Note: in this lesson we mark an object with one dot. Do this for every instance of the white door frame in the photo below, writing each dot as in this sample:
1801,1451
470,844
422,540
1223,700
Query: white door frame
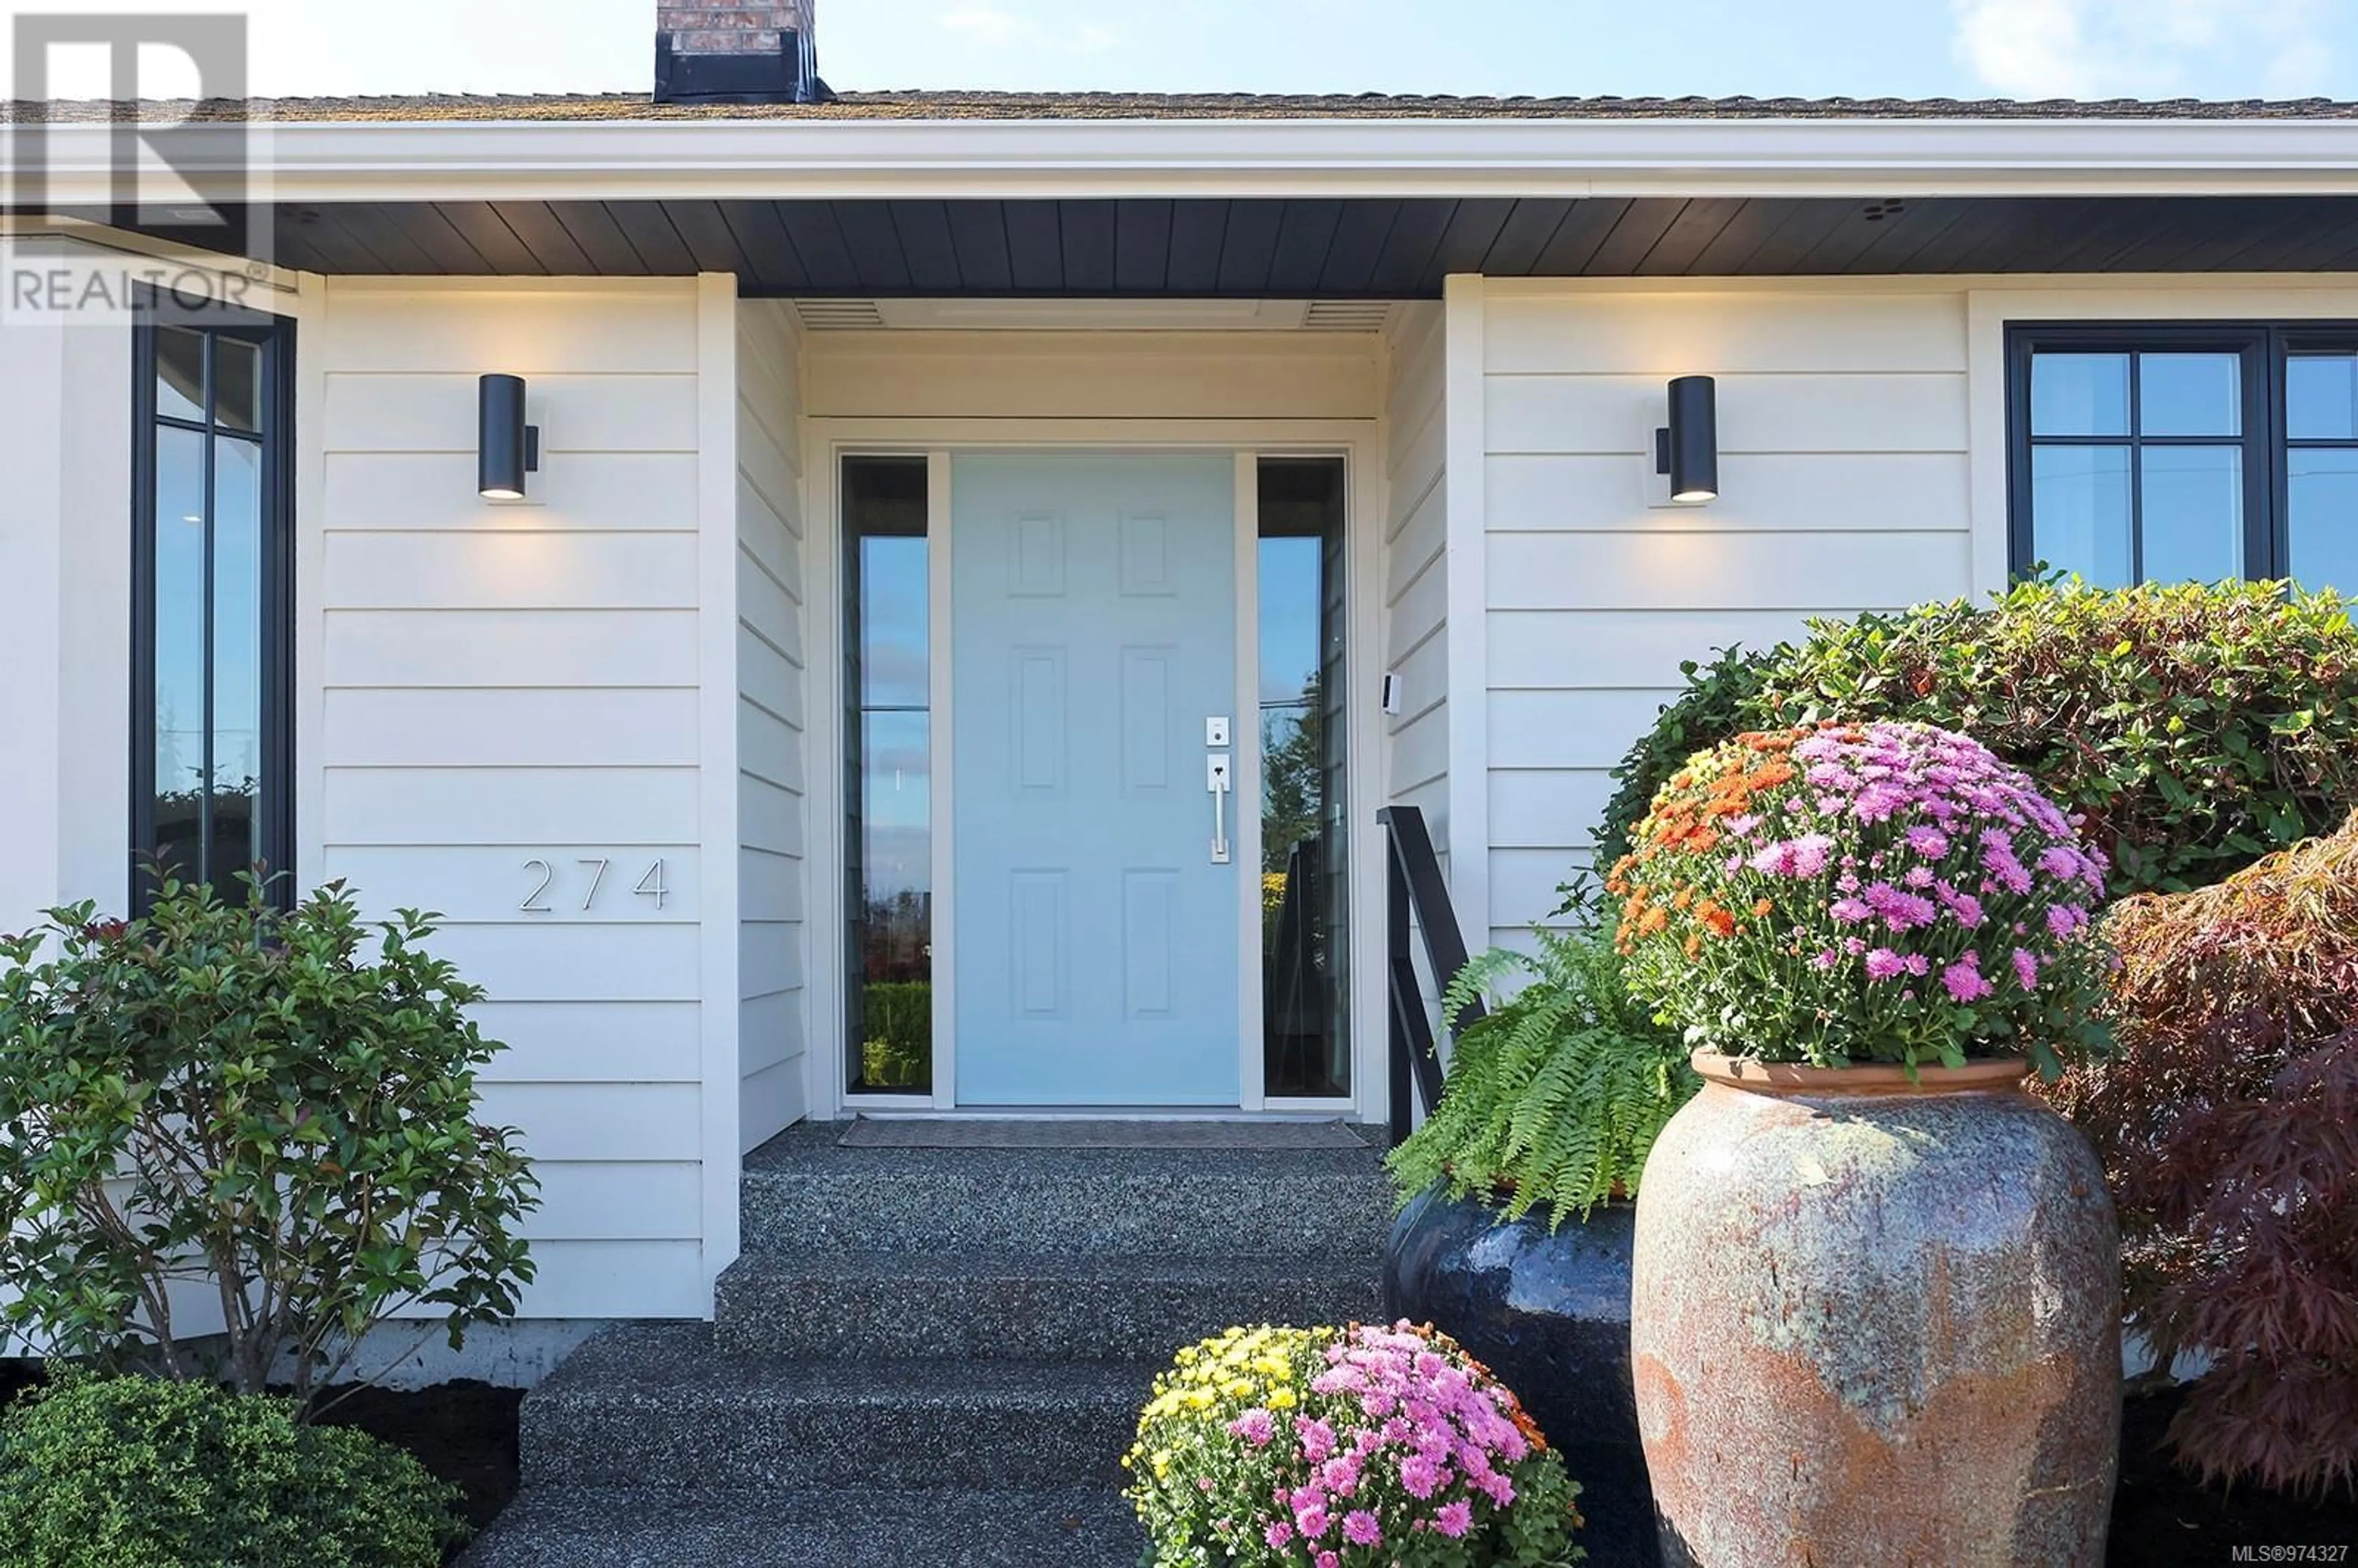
827,442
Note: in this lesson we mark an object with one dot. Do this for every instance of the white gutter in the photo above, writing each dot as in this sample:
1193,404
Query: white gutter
852,160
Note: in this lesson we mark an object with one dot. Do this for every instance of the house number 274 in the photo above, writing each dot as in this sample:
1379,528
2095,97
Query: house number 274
544,879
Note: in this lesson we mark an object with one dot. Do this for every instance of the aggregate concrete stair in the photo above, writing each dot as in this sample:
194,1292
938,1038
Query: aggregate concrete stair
930,1357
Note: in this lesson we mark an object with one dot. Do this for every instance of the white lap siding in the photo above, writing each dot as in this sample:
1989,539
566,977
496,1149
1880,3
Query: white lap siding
1844,486
1416,566
772,688
512,727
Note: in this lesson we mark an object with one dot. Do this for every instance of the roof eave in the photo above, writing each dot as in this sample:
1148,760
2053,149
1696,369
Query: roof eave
857,159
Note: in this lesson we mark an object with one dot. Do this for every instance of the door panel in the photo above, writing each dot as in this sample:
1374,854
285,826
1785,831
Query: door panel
1093,631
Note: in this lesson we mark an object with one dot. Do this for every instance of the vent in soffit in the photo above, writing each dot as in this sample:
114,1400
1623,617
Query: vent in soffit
1346,315
838,315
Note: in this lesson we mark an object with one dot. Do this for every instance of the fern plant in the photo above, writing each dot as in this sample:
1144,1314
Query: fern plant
1554,1097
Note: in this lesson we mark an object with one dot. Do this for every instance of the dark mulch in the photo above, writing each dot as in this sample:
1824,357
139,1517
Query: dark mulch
464,1433
2162,1517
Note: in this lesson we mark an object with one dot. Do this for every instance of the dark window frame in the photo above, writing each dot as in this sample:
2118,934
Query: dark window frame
273,336
2264,346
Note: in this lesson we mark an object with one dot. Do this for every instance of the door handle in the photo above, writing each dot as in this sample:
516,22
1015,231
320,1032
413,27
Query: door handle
1220,781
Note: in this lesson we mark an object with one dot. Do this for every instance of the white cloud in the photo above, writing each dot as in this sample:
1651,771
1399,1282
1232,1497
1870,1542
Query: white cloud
2144,49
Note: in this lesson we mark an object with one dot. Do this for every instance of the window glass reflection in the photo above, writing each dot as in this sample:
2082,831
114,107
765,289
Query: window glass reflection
2081,504
1304,814
2324,521
888,650
2189,395
2322,396
2080,395
2194,524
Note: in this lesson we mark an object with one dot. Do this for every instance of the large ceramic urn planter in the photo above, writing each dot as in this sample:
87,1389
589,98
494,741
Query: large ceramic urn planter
1876,1321
1549,1312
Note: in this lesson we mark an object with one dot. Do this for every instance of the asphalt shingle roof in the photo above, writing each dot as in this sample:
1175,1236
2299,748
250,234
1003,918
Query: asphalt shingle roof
958,105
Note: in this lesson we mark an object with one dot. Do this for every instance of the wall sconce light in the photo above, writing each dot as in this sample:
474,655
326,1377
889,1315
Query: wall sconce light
1688,447
506,447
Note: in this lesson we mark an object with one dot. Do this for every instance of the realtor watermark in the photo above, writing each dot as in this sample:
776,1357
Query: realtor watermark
2314,1553
134,170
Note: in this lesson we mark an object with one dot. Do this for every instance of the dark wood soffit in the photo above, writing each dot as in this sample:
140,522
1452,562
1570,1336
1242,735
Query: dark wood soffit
1328,248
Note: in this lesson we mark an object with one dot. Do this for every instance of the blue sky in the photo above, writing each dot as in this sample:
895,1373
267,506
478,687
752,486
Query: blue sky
1916,47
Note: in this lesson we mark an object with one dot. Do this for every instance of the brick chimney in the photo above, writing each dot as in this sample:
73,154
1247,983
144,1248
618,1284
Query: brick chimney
736,54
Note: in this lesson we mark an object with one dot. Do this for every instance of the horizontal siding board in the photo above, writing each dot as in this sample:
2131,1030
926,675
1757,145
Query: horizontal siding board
1550,808
770,544
772,616
534,728
770,956
771,1031
617,1201
1570,728
767,678
609,492
769,1101
1734,571
769,748
1760,413
567,961
1540,650
522,807
591,1041
478,886
1847,493
1727,334
624,1123
605,648
1523,882
618,1279
519,571
536,331
576,414
769,885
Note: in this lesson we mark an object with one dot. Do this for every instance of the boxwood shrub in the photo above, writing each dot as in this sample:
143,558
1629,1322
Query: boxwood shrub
2196,728
135,1472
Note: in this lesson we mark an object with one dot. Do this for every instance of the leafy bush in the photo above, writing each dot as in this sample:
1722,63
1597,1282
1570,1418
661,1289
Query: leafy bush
1555,1096
899,1049
2229,1125
134,1472
2194,727
240,1100
1878,892
1360,1446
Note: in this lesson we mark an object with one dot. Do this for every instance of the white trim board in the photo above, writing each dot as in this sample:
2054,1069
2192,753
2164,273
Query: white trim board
827,442
980,159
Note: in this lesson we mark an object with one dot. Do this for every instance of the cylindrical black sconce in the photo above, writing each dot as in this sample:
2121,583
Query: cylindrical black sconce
506,447
1688,447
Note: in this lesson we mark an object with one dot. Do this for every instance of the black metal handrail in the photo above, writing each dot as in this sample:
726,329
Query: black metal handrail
1417,899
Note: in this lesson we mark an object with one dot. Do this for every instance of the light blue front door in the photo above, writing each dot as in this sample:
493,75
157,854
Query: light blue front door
1093,632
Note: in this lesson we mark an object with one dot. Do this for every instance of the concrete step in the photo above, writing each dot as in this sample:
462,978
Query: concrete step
804,1193
1068,1528
1020,1307
657,1405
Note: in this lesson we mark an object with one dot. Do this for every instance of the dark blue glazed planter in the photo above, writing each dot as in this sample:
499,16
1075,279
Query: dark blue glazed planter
1550,1314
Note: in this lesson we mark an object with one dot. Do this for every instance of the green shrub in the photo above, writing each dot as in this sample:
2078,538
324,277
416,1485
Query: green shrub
244,1104
2195,727
1554,1097
899,1049
134,1472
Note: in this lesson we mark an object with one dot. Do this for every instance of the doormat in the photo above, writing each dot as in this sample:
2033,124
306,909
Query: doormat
960,1132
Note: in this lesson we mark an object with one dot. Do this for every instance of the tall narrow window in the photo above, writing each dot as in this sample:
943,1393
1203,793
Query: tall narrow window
888,786
1305,924
212,603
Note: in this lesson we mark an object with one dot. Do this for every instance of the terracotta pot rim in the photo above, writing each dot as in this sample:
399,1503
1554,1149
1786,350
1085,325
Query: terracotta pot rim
1990,1074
